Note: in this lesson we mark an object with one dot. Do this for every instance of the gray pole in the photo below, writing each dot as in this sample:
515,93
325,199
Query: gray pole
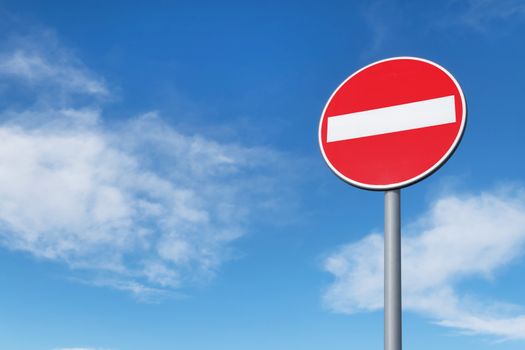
393,270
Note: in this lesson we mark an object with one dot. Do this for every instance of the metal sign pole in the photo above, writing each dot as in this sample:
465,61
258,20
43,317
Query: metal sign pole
393,333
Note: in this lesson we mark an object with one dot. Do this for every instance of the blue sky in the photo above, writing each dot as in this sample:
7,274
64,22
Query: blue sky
161,185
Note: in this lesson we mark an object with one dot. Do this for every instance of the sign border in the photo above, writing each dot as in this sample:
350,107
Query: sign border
421,176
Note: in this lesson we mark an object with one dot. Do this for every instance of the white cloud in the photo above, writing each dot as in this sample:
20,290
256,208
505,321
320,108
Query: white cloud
142,206
459,238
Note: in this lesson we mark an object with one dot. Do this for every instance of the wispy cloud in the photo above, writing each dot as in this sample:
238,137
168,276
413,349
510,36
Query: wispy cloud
141,205
394,25
378,25
33,68
460,237
42,66
479,14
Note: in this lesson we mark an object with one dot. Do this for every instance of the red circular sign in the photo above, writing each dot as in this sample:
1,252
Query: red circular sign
392,123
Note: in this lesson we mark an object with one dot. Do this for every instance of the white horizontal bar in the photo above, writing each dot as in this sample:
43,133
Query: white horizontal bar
386,120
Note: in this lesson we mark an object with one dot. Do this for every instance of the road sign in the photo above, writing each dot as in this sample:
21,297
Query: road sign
392,123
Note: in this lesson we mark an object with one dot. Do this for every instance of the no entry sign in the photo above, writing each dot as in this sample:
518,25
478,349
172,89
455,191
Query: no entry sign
392,123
